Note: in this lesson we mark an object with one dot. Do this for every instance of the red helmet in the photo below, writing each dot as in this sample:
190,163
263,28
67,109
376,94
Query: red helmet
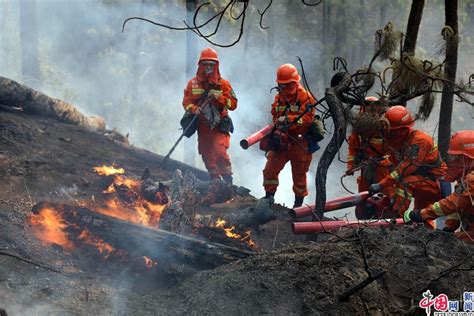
399,117
287,73
462,143
371,104
208,54
371,99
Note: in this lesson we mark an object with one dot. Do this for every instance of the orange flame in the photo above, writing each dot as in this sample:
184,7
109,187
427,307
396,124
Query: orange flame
229,232
149,263
49,227
108,170
132,184
102,246
142,212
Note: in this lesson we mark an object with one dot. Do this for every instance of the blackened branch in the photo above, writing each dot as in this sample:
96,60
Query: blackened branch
262,14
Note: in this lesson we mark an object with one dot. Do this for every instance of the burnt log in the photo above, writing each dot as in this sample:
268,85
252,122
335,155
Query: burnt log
250,217
154,192
159,245
14,94
217,235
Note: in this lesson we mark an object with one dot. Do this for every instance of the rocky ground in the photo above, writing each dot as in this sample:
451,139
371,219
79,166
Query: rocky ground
45,160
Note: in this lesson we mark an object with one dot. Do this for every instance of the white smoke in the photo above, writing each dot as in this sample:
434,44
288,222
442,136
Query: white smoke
87,60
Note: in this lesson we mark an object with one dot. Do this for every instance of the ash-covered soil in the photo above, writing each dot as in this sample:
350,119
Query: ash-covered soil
44,160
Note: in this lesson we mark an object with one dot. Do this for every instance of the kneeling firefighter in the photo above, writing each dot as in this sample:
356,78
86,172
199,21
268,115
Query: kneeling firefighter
367,151
419,168
295,136
461,202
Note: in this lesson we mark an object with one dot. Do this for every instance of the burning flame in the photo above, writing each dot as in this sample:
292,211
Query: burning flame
149,263
49,227
136,209
103,247
108,170
229,232
142,212
132,184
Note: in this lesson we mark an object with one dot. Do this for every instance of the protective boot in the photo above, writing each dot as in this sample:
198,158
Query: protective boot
270,196
298,201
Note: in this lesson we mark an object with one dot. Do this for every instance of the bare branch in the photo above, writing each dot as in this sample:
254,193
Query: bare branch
262,14
311,4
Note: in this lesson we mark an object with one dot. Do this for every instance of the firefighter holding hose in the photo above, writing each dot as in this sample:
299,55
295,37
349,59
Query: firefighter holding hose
419,168
294,134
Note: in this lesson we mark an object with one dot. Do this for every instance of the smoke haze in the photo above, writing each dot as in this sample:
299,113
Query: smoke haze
135,79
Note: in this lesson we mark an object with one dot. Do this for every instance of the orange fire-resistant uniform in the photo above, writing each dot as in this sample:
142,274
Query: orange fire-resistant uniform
418,169
461,203
212,142
369,153
297,153
371,156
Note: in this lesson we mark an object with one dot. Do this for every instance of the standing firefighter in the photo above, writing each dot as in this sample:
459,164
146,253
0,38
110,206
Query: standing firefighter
367,150
419,167
293,119
210,97
461,202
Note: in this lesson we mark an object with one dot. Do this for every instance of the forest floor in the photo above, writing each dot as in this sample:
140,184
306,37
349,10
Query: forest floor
45,160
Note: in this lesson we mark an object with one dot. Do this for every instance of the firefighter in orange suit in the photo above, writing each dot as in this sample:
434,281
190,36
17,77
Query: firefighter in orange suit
367,151
211,97
419,167
461,202
291,101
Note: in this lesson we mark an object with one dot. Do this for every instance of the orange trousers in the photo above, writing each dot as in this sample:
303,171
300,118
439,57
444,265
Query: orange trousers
424,191
213,145
300,160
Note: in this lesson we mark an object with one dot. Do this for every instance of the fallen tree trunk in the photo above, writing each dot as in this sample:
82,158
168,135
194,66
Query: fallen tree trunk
156,244
14,94
249,217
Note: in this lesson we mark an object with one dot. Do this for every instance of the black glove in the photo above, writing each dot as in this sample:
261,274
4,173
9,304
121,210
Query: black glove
375,188
349,172
412,216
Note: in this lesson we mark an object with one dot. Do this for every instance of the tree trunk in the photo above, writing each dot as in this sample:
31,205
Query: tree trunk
411,35
339,37
137,65
340,125
413,26
141,241
191,57
326,28
447,99
359,51
29,43
383,13
13,94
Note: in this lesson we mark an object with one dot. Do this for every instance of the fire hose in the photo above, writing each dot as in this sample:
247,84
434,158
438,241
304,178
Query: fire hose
260,134
378,203
332,205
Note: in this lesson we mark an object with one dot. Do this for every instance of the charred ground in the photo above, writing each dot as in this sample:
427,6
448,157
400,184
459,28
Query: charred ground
45,160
